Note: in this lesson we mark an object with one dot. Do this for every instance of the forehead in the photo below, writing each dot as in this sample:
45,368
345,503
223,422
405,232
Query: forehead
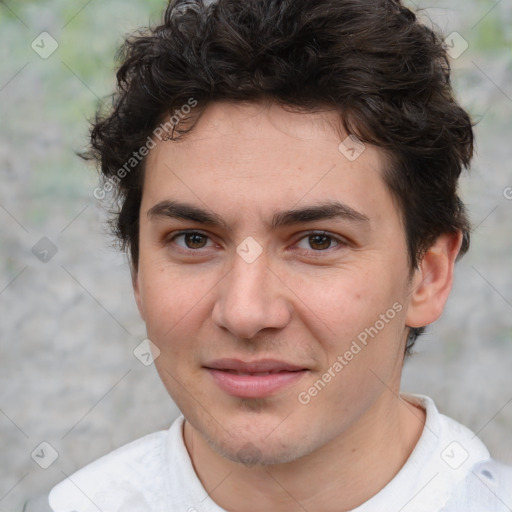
259,157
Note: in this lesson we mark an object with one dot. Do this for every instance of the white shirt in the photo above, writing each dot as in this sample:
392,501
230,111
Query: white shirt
449,470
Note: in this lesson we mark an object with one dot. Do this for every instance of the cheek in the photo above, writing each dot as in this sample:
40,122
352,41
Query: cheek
345,302
362,355
175,307
175,304
360,314
164,297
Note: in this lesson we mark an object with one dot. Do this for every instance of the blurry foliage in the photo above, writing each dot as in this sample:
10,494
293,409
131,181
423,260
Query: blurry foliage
491,35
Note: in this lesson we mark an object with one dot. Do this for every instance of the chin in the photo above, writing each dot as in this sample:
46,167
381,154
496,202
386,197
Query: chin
252,453
254,440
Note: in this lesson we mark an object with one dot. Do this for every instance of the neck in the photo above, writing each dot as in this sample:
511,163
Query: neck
341,475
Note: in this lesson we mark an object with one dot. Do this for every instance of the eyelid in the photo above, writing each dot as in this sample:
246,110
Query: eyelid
340,241
172,236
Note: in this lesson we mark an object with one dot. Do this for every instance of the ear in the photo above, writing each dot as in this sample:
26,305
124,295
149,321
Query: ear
136,292
432,281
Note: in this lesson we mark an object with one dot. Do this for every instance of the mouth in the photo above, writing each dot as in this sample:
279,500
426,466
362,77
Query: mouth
254,374
256,379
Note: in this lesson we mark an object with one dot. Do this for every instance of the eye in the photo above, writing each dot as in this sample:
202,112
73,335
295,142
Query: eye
191,241
319,241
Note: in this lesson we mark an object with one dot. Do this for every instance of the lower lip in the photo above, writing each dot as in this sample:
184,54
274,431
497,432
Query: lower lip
254,386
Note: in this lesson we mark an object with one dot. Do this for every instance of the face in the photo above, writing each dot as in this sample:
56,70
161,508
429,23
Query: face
273,277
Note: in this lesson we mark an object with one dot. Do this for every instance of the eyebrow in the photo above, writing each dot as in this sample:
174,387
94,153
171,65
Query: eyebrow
326,210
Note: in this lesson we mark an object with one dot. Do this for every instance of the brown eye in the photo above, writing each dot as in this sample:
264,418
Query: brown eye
191,241
319,242
195,240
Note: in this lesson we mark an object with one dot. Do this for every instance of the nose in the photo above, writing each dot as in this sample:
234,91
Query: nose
250,298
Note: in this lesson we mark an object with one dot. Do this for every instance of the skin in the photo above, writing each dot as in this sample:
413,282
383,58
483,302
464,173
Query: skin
301,301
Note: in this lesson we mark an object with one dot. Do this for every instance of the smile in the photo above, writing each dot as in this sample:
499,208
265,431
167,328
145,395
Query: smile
255,379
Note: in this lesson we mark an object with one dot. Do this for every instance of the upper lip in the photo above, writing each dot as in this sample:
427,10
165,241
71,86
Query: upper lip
261,365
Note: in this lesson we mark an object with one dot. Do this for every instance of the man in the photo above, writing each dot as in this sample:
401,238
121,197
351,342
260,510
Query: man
287,178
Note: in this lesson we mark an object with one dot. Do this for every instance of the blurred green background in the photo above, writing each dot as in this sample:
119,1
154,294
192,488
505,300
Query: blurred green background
69,326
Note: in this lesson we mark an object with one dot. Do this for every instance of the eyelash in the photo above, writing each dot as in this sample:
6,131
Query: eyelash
186,251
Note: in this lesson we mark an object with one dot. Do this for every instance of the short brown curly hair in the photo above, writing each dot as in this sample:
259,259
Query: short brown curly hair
372,61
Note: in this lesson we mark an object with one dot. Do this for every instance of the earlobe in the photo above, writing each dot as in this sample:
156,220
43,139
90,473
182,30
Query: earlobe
432,281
